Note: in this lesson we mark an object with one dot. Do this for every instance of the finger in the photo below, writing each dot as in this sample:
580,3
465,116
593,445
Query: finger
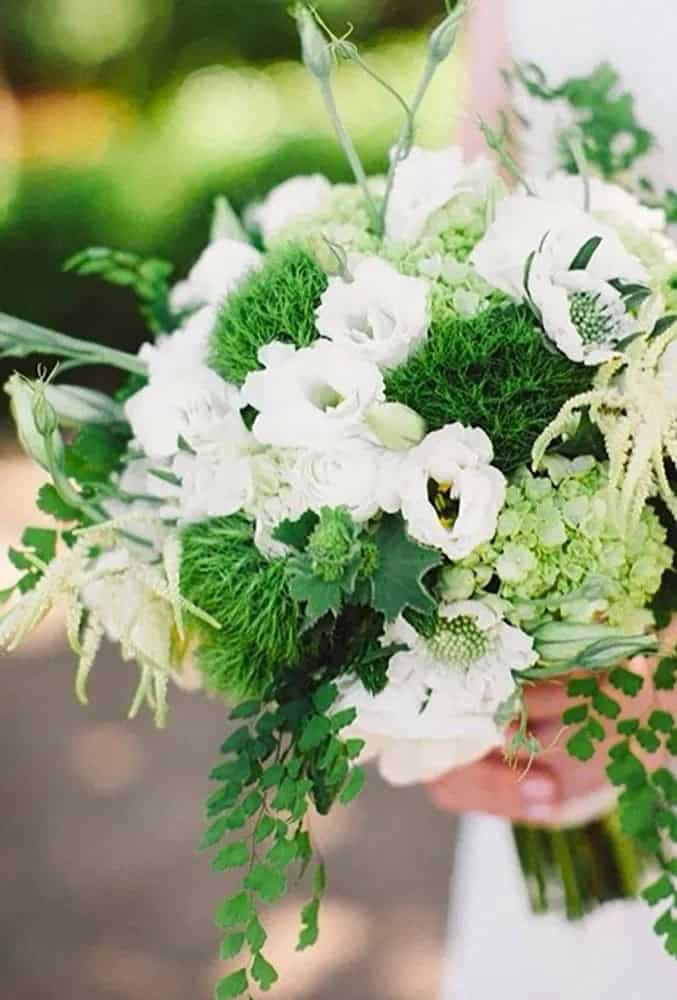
490,786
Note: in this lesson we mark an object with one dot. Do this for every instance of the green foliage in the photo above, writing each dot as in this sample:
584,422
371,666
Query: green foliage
147,279
223,573
326,573
401,569
612,137
490,371
50,502
96,453
37,544
286,756
646,805
276,303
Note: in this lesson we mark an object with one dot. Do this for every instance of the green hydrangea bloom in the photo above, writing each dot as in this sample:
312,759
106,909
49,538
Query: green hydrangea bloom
557,550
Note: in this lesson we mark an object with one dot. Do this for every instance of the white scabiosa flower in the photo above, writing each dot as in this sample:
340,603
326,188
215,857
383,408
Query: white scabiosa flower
424,182
438,710
222,267
450,495
311,397
379,313
295,199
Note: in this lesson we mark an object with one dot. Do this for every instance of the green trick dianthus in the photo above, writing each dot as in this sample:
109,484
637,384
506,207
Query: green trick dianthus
276,303
224,574
491,371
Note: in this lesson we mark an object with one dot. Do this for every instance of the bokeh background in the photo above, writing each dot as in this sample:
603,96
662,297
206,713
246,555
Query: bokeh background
120,121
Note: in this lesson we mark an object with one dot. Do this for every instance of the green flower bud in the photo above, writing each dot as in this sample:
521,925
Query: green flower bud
587,646
314,48
75,405
443,38
334,545
36,422
397,426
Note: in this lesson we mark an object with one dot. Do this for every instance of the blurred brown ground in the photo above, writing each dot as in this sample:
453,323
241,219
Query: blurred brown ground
102,893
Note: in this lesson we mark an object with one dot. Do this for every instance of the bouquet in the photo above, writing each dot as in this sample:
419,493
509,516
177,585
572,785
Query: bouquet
395,451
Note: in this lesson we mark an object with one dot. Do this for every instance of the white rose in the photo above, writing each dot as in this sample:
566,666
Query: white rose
450,494
424,182
312,397
295,199
223,266
438,710
379,313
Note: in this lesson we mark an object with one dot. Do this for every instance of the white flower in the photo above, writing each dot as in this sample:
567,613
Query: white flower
222,267
181,405
186,348
438,710
450,494
294,199
424,182
312,397
521,226
379,313
610,202
350,475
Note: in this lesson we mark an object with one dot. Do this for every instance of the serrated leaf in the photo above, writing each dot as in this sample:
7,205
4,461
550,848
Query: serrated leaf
213,834
627,727
256,935
272,776
237,909
264,829
626,681
297,533
236,819
252,803
665,676
231,946
577,713
659,890
237,741
233,856
266,882
606,706
222,799
315,732
282,853
50,502
580,746
397,582
232,986
353,786
648,740
264,973
286,795
582,687
320,597
594,729
627,770
661,721
42,541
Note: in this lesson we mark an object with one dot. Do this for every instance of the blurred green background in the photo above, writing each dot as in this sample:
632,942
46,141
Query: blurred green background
120,120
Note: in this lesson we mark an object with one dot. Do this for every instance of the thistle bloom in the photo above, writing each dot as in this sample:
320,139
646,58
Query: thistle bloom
439,708
376,312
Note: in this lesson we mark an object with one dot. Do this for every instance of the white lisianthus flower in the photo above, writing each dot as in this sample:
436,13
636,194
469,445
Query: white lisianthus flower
353,475
311,397
222,267
450,494
438,710
379,313
424,182
177,406
290,201
186,348
609,202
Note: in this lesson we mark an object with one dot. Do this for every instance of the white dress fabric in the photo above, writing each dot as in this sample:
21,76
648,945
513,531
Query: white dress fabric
496,947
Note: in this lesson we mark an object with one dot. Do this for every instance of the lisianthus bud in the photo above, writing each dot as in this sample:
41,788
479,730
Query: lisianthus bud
591,646
396,426
75,405
36,422
443,38
314,48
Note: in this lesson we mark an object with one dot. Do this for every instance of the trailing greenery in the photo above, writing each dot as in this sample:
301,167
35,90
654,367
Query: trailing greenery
224,574
276,303
491,371
648,794
286,756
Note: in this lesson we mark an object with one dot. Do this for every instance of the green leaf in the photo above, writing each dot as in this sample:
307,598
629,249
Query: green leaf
582,687
324,697
627,770
264,828
648,740
266,882
354,748
587,440
282,853
95,453
214,833
637,807
661,721
343,719
49,501
585,254
231,946
662,889
664,779
319,596
594,729
237,741
238,909
272,776
627,727
309,931
297,533
256,935
605,705
252,803
315,732
353,786
232,986
236,819
286,795
581,746
665,676
320,880
236,771
626,681
42,541
233,856
246,709
222,799
264,973
577,713
397,582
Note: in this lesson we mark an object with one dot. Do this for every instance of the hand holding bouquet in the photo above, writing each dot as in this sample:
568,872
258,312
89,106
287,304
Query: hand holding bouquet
373,479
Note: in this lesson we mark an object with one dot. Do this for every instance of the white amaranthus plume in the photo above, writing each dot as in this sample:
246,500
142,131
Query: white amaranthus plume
634,404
